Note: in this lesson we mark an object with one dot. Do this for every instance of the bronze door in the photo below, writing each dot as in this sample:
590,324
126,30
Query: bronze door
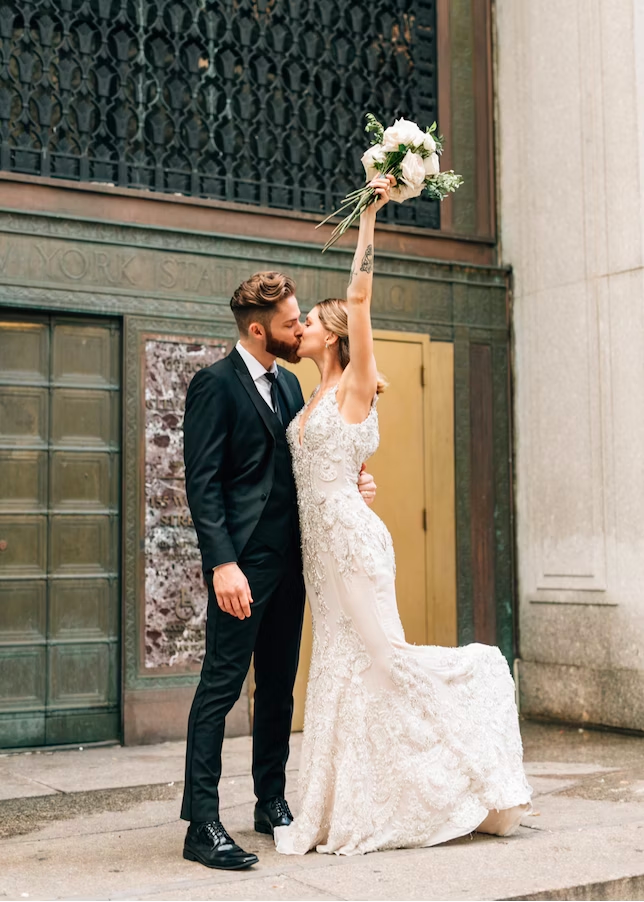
59,529
414,472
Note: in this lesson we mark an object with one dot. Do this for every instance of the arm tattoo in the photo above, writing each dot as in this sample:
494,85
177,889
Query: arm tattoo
351,275
367,260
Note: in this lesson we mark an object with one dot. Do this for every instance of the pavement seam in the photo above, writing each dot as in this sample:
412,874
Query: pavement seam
627,822
33,813
38,783
225,879
15,840
312,886
173,820
27,842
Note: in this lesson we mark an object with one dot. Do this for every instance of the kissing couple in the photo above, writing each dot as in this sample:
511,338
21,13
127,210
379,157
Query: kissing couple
404,746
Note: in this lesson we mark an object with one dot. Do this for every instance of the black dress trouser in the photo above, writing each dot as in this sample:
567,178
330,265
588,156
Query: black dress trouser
273,633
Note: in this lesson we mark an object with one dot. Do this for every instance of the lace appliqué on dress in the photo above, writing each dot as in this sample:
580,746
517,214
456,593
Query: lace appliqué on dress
404,746
333,517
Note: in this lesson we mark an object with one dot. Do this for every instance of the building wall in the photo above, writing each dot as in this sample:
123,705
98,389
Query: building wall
571,195
166,269
163,267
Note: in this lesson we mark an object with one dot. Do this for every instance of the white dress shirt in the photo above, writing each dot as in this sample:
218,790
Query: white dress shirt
258,373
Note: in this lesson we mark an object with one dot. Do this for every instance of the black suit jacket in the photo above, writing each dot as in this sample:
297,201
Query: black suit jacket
229,445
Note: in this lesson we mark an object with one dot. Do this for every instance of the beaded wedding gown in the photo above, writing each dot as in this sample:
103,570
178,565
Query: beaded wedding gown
404,745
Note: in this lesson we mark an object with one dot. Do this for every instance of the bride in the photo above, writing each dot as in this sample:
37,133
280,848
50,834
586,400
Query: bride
404,745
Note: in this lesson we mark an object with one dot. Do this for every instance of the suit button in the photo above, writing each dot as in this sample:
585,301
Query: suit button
263,496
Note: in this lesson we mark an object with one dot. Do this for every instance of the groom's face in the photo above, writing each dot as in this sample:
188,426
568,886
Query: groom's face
284,331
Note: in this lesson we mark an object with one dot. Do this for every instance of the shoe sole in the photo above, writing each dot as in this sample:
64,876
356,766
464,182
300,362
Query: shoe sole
191,856
264,828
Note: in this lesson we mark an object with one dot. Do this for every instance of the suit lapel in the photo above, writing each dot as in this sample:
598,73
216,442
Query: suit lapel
287,394
270,420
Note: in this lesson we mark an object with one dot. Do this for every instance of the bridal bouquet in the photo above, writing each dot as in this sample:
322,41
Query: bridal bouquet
407,152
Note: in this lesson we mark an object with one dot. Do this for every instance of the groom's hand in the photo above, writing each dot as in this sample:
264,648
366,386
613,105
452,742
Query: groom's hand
366,485
232,590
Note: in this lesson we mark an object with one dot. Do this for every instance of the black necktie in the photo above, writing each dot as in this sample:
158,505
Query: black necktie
274,398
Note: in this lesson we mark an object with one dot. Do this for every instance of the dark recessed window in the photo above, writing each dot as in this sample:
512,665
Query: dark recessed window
254,101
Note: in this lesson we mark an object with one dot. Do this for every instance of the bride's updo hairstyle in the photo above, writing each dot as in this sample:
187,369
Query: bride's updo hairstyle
333,316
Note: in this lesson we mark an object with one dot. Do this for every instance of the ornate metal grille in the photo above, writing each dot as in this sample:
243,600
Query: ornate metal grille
253,101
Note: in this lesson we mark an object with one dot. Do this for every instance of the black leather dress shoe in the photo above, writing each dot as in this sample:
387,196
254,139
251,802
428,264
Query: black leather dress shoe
271,814
211,845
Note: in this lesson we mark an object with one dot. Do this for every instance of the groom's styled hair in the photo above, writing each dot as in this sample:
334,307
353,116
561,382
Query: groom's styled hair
255,299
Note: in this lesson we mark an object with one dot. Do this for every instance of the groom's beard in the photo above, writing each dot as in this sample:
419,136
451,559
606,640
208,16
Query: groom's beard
281,349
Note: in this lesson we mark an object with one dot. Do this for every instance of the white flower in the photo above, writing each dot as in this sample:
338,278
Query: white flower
429,143
432,164
403,131
375,154
402,192
413,170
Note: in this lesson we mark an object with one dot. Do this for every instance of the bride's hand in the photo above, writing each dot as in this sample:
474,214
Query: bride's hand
382,185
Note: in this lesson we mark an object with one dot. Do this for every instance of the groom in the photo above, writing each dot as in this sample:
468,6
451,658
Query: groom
242,498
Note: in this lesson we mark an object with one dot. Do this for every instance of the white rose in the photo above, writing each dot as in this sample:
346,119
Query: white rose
403,131
403,192
429,143
432,164
375,154
413,170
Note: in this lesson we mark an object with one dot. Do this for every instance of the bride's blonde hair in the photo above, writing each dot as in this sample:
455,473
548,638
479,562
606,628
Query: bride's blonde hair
333,316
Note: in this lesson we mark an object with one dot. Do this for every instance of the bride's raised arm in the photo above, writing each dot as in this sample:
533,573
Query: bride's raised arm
361,376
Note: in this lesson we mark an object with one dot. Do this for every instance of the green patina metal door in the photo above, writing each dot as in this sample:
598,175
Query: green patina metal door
59,529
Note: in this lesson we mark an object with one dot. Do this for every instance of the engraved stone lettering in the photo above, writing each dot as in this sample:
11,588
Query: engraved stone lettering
74,264
153,270
126,269
5,253
102,266
205,281
168,271
46,256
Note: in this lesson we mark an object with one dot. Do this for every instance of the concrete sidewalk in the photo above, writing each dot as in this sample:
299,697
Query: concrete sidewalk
102,823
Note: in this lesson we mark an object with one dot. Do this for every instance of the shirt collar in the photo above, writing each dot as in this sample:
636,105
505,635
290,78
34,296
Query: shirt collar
255,368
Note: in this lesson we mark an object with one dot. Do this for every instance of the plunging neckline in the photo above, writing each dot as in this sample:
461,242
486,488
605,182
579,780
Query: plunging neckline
301,430
303,420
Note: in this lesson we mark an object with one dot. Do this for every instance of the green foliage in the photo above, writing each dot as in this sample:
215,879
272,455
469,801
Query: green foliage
438,139
439,186
377,129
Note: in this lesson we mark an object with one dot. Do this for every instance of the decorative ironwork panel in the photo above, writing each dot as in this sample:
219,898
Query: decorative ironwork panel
253,101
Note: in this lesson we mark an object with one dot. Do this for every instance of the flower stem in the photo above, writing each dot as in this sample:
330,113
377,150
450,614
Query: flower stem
365,197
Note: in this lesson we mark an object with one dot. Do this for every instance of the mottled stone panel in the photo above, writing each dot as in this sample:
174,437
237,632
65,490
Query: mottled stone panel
175,595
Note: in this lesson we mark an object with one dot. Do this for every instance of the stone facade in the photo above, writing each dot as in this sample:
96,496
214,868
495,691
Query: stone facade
162,267
571,188
169,328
